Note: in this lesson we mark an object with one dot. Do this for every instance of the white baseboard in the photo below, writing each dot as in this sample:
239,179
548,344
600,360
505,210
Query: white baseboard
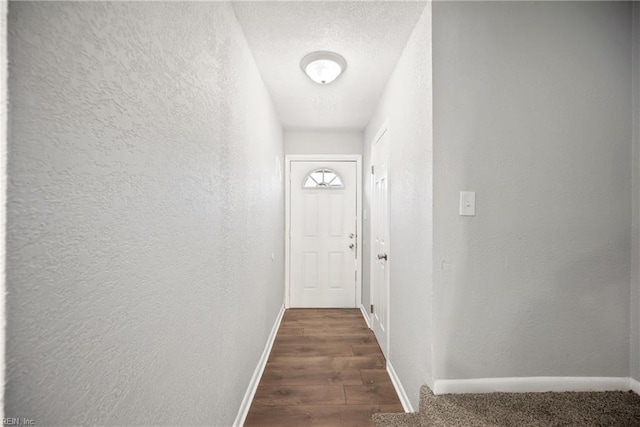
402,395
257,374
366,316
634,385
532,384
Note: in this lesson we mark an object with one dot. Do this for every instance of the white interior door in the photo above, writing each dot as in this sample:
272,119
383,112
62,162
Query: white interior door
323,234
380,239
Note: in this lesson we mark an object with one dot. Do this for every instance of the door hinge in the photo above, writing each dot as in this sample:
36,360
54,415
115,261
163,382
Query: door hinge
372,169
372,308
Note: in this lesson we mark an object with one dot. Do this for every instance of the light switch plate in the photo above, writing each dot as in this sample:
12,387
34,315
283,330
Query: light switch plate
467,203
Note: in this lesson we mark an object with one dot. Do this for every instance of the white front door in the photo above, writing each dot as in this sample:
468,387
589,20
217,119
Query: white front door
323,234
380,238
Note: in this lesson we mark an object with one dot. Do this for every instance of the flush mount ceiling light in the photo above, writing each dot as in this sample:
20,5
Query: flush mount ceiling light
323,67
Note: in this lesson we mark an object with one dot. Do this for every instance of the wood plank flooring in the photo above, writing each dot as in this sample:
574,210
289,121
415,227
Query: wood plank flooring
325,369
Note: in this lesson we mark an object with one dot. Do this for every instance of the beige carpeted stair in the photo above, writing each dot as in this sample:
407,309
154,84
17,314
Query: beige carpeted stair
519,409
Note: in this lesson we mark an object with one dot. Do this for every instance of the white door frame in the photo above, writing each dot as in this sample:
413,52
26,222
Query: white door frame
383,129
287,212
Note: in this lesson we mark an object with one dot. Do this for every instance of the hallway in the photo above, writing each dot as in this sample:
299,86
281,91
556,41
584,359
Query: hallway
148,238
325,368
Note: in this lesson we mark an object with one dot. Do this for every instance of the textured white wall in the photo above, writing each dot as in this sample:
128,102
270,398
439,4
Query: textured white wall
323,142
3,188
635,258
406,103
532,111
144,204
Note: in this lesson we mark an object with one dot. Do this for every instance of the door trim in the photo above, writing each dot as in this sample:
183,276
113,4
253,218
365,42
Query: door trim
287,213
384,128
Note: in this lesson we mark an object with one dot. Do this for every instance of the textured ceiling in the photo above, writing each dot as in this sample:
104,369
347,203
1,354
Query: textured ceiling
370,36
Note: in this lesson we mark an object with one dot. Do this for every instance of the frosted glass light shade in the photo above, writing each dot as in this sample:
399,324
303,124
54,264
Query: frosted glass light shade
323,67
323,71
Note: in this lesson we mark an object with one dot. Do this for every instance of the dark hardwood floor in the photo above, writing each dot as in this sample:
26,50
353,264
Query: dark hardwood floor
325,369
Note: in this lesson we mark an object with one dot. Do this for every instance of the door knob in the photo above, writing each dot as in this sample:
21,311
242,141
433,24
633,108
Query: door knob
351,235
352,246
382,256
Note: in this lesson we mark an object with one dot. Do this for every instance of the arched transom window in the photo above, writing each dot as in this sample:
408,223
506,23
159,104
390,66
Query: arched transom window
322,178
